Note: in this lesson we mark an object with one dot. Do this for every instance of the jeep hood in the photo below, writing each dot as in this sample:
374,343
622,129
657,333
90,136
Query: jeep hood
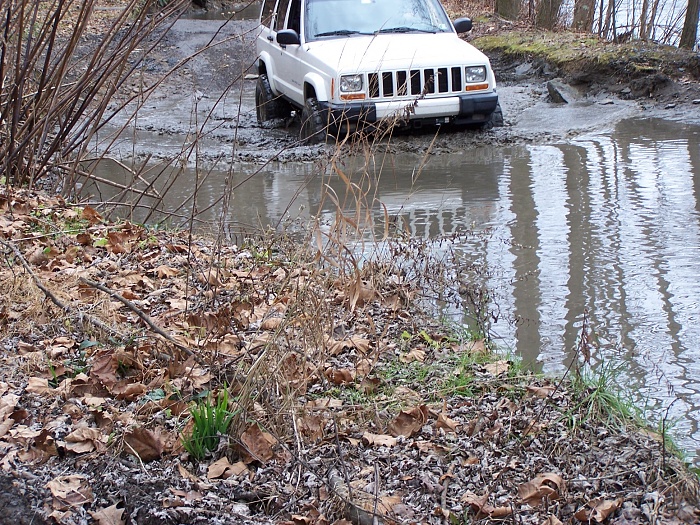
395,51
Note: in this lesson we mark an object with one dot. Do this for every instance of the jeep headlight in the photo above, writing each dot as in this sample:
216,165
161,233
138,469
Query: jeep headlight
475,74
350,83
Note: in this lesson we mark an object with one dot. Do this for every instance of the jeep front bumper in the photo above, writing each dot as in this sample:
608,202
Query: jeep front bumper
458,109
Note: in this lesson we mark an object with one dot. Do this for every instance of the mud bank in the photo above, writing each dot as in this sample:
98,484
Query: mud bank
205,105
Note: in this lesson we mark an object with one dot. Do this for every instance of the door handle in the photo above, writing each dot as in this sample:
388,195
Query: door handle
269,37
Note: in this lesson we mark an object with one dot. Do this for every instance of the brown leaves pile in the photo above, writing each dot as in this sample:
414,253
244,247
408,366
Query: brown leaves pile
292,350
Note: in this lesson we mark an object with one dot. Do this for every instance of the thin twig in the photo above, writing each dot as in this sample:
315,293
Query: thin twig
144,317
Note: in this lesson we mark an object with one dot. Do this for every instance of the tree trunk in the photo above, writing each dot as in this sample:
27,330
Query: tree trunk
508,9
584,11
689,35
547,13
643,20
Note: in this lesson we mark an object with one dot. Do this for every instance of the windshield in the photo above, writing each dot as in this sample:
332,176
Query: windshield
333,18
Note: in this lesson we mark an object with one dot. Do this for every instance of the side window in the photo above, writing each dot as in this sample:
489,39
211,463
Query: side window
294,21
268,12
281,14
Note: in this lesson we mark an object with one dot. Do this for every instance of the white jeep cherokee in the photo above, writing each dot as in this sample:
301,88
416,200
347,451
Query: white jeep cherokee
344,62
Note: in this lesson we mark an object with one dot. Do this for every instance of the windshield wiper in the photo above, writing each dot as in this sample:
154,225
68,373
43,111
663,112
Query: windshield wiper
342,32
405,29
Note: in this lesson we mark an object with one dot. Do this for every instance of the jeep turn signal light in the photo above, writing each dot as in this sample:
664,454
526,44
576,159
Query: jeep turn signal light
353,96
475,87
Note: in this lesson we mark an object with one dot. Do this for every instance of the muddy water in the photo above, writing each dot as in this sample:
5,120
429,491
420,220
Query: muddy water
606,223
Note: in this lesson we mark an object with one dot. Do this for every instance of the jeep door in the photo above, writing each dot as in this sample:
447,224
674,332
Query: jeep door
289,73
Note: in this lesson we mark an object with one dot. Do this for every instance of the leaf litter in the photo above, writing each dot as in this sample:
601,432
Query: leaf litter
328,424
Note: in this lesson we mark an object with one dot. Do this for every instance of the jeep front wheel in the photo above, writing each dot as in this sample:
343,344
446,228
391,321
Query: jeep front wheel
268,106
313,125
495,119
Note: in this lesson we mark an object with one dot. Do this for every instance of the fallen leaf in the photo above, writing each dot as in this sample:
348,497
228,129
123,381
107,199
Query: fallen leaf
552,520
69,492
597,510
409,422
415,355
258,444
480,505
84,440
340,376
222,469
311,426
548,486
108,516
146,444
541,391
39,386
498,367
379,439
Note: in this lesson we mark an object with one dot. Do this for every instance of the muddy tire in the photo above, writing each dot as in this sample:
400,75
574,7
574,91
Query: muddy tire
495,119
313,125
268,106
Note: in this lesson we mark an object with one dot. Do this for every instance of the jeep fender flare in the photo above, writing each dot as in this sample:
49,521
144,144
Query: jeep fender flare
265,64
319,86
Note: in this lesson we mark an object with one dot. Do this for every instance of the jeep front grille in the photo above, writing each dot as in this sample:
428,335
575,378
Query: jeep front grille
414,82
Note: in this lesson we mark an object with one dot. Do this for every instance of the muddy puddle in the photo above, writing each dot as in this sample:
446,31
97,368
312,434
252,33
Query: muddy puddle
605,223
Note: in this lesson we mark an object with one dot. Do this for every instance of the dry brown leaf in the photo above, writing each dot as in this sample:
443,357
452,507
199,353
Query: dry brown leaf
498,367
324,402
258,444
8,402
444,422
271,323
340,376
186,474
541,391
355,342
84,440
145,443
311,426
164,271
379,439
552,520
415,355
69,492
548,486
39,386
91,215
128,391
222,469
409,422
363,367
480,505
108,516
598,510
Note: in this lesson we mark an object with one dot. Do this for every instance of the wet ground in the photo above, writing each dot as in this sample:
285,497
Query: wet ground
205,110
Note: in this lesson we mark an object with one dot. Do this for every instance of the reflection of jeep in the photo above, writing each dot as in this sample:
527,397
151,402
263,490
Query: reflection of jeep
344,62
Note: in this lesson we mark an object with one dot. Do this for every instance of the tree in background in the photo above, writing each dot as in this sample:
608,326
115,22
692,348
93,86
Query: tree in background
508,9
547,13
584,13
689,35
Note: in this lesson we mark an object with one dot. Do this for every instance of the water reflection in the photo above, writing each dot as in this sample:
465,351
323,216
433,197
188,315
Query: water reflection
605,223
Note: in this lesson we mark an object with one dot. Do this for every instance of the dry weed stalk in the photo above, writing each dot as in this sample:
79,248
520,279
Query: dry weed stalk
53,97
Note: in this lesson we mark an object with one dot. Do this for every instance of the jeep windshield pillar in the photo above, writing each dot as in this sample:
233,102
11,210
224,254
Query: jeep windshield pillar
342,63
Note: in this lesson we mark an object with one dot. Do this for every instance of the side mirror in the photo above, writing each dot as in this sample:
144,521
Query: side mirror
462,25
288,37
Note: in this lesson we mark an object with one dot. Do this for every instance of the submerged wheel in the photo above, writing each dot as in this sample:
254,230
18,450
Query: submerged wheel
495,119
313,125
268,106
